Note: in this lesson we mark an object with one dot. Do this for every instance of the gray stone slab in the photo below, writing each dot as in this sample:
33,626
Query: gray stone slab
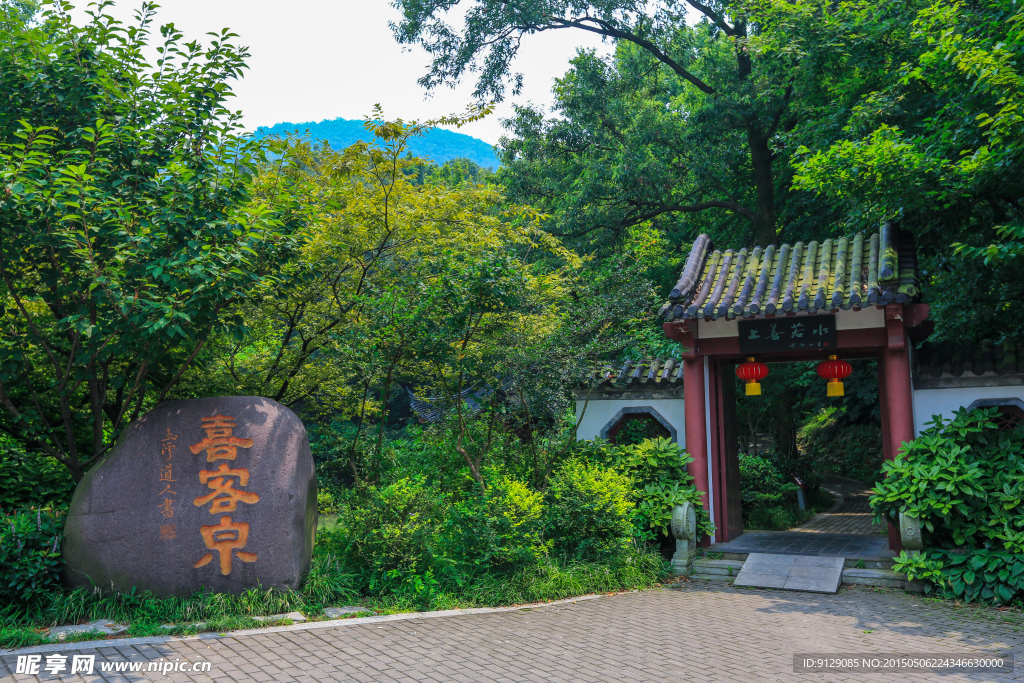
802,561
761,580
791,572
769,560
103,626
813,584
294,616
766,570
338,612
813,572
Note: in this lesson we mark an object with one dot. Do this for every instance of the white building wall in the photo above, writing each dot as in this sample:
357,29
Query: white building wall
947,400
600,412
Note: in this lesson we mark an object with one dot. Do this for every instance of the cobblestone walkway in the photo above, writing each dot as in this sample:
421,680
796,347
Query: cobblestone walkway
851,516
703,631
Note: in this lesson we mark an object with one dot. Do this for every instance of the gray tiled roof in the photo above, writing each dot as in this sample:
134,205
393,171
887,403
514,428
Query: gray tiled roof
956,359
646,374
841,273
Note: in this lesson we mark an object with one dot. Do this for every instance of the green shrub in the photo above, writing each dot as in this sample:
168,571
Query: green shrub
768,498
970,575
775,518
633,568
657,470
391,527
762,485
654,460
326,503
964,479
30,480
502,528
29,555
638,430
588,511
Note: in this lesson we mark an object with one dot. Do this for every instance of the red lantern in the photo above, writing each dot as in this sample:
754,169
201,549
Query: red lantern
835,371
752,372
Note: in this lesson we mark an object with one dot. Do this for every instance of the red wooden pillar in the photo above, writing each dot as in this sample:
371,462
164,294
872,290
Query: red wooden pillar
695,408
696,430
896,394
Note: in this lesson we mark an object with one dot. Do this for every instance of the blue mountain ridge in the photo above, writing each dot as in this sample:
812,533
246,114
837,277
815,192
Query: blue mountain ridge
437,144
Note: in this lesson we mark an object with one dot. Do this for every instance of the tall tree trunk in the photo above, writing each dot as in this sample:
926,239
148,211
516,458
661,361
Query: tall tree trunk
760,153
764,184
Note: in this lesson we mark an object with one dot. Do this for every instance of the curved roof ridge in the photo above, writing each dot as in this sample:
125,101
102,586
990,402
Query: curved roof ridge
837,273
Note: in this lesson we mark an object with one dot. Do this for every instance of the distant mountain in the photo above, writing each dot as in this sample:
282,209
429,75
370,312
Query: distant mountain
438,145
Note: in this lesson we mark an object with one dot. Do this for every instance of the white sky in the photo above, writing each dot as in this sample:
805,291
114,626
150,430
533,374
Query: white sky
322,59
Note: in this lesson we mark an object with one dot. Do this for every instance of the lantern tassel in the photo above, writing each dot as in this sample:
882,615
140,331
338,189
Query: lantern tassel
754,388
835,388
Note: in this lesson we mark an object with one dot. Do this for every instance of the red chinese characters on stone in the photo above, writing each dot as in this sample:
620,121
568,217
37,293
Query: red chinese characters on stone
224,538
219,444
166,505
225,484
225,496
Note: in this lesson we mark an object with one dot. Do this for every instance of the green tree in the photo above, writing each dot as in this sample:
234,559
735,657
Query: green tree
938,143
391,281
681,107
126,230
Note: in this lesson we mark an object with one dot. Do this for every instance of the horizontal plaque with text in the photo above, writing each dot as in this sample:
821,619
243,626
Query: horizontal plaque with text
788,334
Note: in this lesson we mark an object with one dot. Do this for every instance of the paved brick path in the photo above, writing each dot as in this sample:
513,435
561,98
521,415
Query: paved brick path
702,632
852,516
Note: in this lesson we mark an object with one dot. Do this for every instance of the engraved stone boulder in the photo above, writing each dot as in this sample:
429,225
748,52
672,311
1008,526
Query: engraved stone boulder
214,493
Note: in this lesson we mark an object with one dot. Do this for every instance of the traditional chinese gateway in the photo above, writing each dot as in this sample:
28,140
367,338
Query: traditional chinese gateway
855,297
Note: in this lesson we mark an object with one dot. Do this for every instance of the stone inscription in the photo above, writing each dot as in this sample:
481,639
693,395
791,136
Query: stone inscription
167,495
228,537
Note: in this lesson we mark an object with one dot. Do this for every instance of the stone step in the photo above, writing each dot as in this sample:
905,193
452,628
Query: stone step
861,563
852,562
882,578
712,577
726,568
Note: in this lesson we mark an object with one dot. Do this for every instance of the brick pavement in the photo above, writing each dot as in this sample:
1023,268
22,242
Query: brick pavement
852,516
704,631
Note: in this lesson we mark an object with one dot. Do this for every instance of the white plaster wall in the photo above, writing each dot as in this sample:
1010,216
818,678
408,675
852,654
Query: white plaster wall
600,412
944,402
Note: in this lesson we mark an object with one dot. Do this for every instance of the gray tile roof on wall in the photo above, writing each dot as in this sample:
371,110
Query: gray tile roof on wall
954,359
645,374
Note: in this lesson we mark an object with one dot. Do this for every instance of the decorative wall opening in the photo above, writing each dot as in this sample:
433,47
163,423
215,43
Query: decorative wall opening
1010,415
1009,418
634,428
638,419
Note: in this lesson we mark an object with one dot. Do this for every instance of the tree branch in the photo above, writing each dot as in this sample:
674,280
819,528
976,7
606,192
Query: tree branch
603,28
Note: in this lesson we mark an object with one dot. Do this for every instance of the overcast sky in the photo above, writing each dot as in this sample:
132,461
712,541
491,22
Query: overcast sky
322,59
